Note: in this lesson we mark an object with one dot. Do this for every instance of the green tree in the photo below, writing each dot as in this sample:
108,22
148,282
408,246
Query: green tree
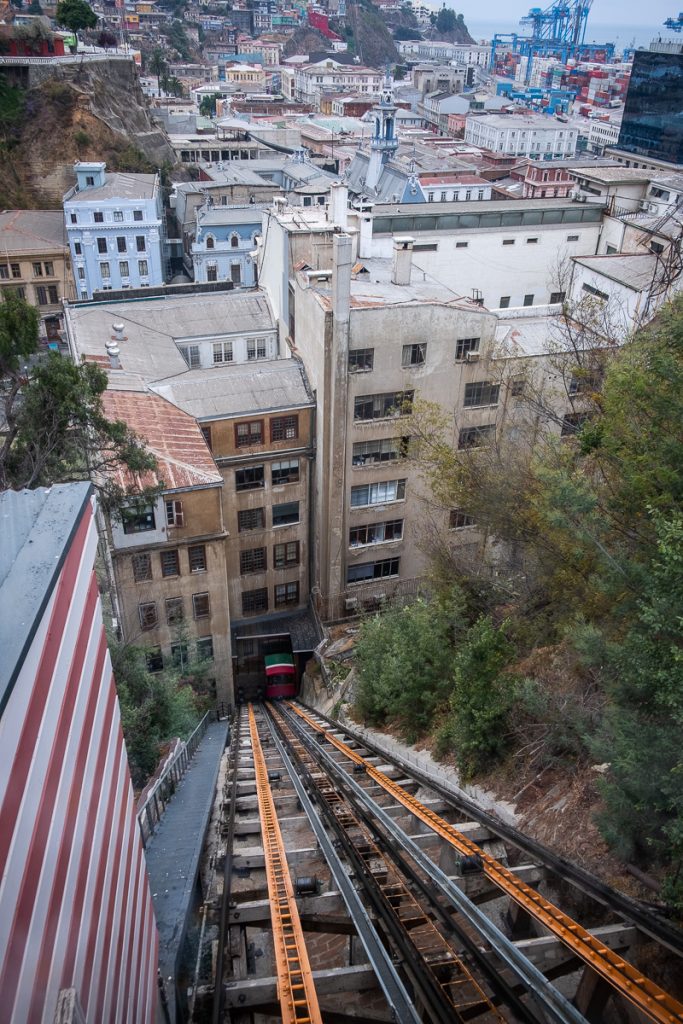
55,427
75,15
158,66
207,107
446,20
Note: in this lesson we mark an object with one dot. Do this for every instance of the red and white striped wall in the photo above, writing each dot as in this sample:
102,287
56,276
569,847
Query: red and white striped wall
75,904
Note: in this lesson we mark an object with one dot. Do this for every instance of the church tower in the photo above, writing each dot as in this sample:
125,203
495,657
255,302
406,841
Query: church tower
384,140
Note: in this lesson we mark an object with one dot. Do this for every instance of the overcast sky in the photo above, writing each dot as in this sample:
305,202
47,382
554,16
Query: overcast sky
619,12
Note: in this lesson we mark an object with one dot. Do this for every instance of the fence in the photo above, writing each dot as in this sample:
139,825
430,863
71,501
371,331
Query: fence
370,597
68,58
163,789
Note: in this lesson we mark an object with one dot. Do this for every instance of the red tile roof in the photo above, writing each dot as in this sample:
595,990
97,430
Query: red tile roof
171,435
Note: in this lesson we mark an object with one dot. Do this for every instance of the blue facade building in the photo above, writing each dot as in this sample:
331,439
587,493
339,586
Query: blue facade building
115,228
225,238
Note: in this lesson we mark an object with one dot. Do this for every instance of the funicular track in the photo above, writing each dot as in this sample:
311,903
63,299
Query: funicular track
609,966
433,953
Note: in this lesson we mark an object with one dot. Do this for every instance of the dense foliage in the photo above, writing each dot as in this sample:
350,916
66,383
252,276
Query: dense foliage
75,15
589,532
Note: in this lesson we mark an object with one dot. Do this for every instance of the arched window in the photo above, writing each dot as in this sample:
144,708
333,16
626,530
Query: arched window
234,241
210,242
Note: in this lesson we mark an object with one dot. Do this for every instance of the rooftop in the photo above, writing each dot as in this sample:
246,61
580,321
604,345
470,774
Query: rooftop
173,437
519,121
633,271
525,336
230,215
32,231
153,328
615,174
36,528
244,387
118,186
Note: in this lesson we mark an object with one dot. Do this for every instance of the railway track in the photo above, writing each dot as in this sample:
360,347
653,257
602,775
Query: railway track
354,892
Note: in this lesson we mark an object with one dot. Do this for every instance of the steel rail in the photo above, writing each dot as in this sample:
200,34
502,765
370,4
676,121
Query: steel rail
296,990
645,920
446,986
396,994
554,1005
647,996
219,991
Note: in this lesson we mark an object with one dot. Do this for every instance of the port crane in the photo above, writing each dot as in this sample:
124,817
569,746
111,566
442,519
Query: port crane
675,23
556,31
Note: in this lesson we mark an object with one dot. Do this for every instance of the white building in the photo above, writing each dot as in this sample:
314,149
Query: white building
329,76
538,138
602,134
455,53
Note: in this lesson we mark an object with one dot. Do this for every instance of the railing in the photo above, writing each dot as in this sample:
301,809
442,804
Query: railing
67,58
367,598
149,815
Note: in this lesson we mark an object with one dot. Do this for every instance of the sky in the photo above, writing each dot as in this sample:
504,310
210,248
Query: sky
604,12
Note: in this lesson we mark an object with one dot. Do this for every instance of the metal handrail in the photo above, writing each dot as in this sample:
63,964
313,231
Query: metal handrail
165,786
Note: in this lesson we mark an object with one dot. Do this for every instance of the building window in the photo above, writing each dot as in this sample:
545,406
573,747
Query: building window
196,554
361,360
386,450
236,278
123,268
37,270
414,355
481,392
250,519
201,607
98,217
210,242
286,593
154,660
528,300
16,270
41,295
148,615
118,216
572,423
234,241
284,428
74,218
102,246
174,610
137,519
286,513
137,214
247,434
475,437
249,478
464,346
143,268
508,241
378,493
254,601
211,272
256,348
222,352
121,244
504,302
375,533
252,560
372,570
140,243
285,472
170,563
205,648
104,270
572,238
286,555
461,245
458,520
532,241
174,513
590,290
142,567
190,354
4,272
375,407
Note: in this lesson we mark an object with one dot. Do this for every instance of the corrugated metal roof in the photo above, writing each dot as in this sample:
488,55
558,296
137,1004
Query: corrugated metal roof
170,434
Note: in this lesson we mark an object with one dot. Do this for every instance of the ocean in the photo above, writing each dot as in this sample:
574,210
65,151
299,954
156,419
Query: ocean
621,35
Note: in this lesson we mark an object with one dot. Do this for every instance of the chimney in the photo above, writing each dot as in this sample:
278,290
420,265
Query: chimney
365,240
402,260
341,277
339,203
113,351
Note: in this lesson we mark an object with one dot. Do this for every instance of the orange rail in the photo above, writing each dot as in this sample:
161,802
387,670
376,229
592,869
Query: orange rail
621,975
296,991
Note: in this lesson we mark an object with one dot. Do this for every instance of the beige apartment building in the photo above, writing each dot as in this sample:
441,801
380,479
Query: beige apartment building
35,264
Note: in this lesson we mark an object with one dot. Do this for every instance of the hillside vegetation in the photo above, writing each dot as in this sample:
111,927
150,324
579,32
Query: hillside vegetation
574,654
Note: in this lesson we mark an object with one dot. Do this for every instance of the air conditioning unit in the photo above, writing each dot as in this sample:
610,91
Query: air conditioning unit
351,604
472,357
644,205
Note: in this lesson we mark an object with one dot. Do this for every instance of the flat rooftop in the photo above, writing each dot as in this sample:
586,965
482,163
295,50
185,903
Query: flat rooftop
526,336
215,393
615,175
32,231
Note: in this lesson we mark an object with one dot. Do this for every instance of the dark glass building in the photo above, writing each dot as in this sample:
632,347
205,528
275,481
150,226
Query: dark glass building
653,116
